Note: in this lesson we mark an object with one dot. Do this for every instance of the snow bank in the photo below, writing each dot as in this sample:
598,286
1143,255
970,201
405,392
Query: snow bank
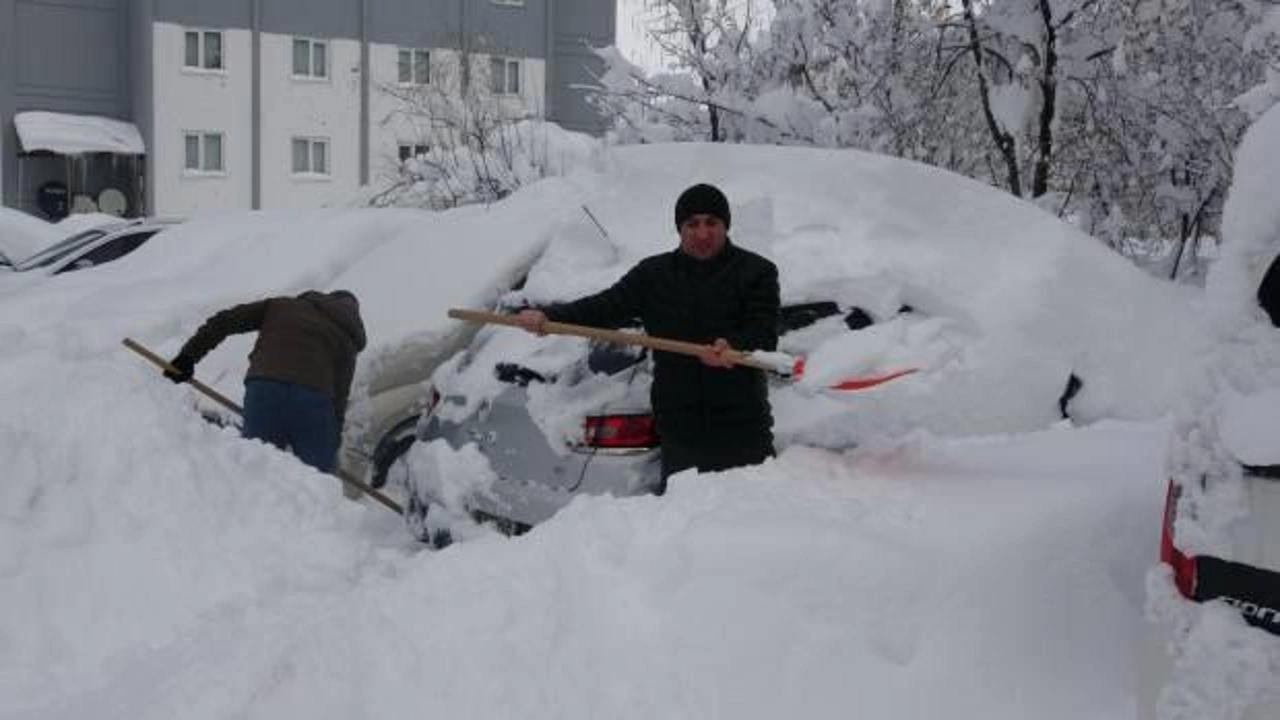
1008,300
153,565
1250,226
1226,416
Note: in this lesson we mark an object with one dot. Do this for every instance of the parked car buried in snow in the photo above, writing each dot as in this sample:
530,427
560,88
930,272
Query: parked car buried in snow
1008,303
1219,539
551,419
95,246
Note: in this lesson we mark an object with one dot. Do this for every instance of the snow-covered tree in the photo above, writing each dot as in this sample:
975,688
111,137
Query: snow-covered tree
709,50
1120,115
479,147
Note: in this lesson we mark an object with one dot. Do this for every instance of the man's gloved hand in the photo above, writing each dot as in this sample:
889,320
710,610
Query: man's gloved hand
183,368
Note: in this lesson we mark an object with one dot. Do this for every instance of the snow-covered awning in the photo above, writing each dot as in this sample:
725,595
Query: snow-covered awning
68,134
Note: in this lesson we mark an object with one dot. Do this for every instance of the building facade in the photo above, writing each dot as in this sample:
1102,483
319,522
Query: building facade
246,104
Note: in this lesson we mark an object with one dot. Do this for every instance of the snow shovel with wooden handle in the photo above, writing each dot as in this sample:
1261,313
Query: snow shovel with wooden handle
779,363
222,400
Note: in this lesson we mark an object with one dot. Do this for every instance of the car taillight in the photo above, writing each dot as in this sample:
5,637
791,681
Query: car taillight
1184,566
619,431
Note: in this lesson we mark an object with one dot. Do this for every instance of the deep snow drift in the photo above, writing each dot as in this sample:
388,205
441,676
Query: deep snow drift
153,566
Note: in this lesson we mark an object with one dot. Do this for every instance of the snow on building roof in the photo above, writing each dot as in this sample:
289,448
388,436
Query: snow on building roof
69,134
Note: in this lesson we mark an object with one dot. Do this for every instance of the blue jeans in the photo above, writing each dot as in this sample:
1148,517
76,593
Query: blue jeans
293,417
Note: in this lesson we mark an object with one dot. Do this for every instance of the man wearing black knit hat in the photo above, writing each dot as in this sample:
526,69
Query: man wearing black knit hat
711,414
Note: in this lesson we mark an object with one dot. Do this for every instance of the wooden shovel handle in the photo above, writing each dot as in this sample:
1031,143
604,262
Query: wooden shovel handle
214,395
221,399
614,336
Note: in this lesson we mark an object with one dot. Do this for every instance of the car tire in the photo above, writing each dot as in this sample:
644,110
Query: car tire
391,448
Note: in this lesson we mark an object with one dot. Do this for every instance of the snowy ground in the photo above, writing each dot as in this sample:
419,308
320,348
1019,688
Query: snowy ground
155,566
999,578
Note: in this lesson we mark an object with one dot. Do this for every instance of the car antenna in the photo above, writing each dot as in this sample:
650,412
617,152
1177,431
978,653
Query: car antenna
599,227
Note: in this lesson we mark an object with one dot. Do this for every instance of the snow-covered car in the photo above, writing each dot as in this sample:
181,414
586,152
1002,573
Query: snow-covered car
1210,647
393,263
1012,319
595,396
92,247
1219,545
22,235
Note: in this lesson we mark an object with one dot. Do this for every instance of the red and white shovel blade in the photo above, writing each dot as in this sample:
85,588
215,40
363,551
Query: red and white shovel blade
854,383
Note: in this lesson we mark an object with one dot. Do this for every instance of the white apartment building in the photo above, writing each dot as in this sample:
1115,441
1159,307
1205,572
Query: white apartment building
250,104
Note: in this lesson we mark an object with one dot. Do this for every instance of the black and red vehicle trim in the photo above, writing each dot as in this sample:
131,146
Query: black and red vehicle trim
1254,591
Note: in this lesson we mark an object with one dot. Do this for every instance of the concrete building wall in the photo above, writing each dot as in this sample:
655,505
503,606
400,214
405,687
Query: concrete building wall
317,18
8,137
575,27
221,13
124,59
416,23
507,29
202,101
398,111
63,56
141,58
326,109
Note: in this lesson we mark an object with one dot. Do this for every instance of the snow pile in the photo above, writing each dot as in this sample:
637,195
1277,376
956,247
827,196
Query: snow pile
153,565
1249,425
473,156
23,235
79,222
1225,417
1250,227
1223,669
1006,301
1246,358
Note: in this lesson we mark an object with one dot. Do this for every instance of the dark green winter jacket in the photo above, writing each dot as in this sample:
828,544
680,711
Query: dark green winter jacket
733,295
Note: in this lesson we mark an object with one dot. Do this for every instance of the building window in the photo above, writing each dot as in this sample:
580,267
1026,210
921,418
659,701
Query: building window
203,50
504,76
412,150
310,156
310,58
202,152
414,67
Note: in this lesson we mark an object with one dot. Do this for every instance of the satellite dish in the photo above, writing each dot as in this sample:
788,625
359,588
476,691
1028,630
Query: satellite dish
83,204
112,202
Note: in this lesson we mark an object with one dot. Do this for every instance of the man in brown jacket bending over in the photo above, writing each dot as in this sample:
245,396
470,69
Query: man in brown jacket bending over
300,369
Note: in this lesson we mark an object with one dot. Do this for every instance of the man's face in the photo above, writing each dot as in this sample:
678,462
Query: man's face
702,236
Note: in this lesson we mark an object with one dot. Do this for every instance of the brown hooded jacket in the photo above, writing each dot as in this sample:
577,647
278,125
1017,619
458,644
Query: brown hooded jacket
311,340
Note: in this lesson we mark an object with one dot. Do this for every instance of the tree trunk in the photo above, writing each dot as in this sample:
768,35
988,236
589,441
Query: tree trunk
1003,140
1048,104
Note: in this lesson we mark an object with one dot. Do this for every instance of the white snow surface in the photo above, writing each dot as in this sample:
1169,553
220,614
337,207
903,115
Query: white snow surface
969,557
1008,300
23,235
1250,427
1226,415
69,134
1250,228
79,222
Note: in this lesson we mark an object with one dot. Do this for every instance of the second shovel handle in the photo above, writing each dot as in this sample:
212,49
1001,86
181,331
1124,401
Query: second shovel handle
621,337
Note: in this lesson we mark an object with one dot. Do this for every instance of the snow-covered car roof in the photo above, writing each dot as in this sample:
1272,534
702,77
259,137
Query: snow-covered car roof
1009,301
22,235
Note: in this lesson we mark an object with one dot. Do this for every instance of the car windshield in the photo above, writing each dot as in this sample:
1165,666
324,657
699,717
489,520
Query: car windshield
59,250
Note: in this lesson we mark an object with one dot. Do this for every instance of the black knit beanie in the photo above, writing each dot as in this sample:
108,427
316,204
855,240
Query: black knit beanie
702,199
